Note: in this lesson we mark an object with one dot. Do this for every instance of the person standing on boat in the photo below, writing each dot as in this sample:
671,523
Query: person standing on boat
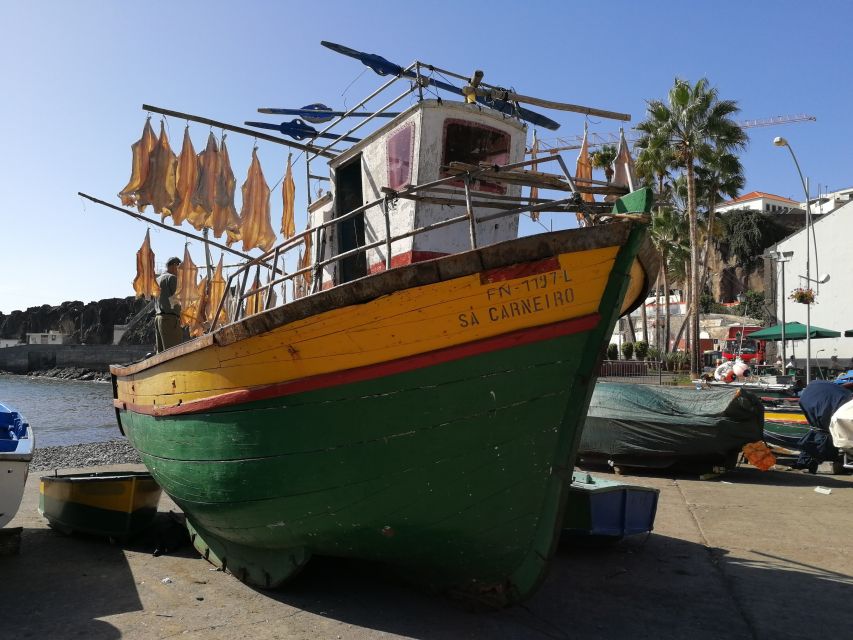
167,325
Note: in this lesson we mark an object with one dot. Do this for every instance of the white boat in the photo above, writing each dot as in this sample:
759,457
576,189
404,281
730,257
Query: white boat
16,451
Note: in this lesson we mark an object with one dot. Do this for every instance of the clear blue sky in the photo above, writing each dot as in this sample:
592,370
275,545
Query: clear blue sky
76,74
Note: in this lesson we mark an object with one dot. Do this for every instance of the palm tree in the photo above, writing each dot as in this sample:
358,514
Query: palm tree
653,169
720,175
668,235
604,158
693,123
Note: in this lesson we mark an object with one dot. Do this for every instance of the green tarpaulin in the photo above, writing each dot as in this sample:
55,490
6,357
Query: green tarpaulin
646,425
793,331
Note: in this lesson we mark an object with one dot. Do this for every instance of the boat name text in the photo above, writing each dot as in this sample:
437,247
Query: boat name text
551,294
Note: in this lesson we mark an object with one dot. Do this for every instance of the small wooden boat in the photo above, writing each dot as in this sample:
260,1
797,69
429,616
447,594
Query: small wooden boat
107,503
16,451
609,510
419,402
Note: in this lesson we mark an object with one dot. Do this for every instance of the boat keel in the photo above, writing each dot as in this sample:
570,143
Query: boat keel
257,567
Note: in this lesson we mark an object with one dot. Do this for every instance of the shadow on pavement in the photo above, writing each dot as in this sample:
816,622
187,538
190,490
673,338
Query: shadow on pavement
645,587
58,585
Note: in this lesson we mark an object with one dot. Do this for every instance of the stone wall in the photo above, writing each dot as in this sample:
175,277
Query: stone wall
34,357
89,323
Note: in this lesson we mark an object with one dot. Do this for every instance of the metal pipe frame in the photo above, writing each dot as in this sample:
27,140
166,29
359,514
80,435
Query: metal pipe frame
368,119
346,114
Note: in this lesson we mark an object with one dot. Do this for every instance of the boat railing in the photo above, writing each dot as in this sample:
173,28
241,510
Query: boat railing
260,296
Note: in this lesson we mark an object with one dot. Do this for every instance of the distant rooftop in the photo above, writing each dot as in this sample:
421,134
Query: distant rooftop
756,195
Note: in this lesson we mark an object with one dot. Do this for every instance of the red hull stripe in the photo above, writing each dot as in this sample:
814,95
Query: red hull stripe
402,259
370,372
520,270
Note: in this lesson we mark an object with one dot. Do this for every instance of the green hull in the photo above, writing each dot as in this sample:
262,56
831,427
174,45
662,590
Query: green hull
455,473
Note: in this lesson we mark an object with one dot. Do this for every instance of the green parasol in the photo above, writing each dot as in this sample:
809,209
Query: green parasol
793,331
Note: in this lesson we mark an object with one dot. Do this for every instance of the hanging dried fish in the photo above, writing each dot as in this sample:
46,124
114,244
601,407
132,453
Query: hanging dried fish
158,190
145,282
186,182
288,193
254,296
302,283
255,226
187,291
205,190
224,216
196,312
215,296
141,151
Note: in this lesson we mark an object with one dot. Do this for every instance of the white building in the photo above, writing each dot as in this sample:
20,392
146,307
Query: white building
834,304
760,201
827,202
51,337
8,342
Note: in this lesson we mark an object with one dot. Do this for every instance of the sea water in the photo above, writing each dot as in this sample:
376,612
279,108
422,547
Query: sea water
62,412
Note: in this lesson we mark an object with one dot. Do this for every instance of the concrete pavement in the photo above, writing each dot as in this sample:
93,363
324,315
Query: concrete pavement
748,555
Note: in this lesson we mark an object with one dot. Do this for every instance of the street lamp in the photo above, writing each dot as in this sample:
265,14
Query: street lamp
781,142
782,257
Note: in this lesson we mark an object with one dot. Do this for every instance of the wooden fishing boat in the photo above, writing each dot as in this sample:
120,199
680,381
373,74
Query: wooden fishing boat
420,403
107,503
16,451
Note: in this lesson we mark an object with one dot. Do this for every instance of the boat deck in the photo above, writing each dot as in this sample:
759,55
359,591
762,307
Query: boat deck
707,571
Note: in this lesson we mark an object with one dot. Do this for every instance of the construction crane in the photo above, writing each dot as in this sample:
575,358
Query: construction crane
568,143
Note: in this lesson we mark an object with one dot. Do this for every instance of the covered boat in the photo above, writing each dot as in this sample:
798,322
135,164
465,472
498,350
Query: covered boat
16,452
418,403
652,426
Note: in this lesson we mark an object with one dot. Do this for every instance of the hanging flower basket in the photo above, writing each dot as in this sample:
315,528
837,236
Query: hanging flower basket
803,296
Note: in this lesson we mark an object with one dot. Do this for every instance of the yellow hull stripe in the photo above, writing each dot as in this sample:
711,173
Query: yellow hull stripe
402,324
117,495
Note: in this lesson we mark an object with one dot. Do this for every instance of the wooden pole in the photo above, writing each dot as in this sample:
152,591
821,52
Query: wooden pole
248,132
143,218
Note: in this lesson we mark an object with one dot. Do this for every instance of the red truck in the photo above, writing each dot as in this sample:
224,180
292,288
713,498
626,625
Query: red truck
740,345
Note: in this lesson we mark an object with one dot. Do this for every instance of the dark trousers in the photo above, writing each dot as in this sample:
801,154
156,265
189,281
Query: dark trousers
167,331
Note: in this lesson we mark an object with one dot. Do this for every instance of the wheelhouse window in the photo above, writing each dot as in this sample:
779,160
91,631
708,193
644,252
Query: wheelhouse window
473,143
399,153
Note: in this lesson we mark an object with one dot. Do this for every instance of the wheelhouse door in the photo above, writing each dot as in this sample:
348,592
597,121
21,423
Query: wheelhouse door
350,232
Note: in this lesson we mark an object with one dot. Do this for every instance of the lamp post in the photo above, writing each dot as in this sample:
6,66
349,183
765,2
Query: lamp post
781,142
782,257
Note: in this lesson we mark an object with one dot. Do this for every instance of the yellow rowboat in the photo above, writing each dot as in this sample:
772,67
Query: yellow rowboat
115,504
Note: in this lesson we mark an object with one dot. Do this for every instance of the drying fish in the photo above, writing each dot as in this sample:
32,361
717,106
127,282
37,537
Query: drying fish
216,294
303,287
255,226
196,312
255,297
205,190
145,282
186,181
141,150
187,292
158,190
224,216
288,193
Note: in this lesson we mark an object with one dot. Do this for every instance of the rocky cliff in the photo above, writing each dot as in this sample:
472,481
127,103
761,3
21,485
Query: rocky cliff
90,323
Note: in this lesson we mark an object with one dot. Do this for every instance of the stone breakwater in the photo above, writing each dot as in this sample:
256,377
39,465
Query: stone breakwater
84,455
71,373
